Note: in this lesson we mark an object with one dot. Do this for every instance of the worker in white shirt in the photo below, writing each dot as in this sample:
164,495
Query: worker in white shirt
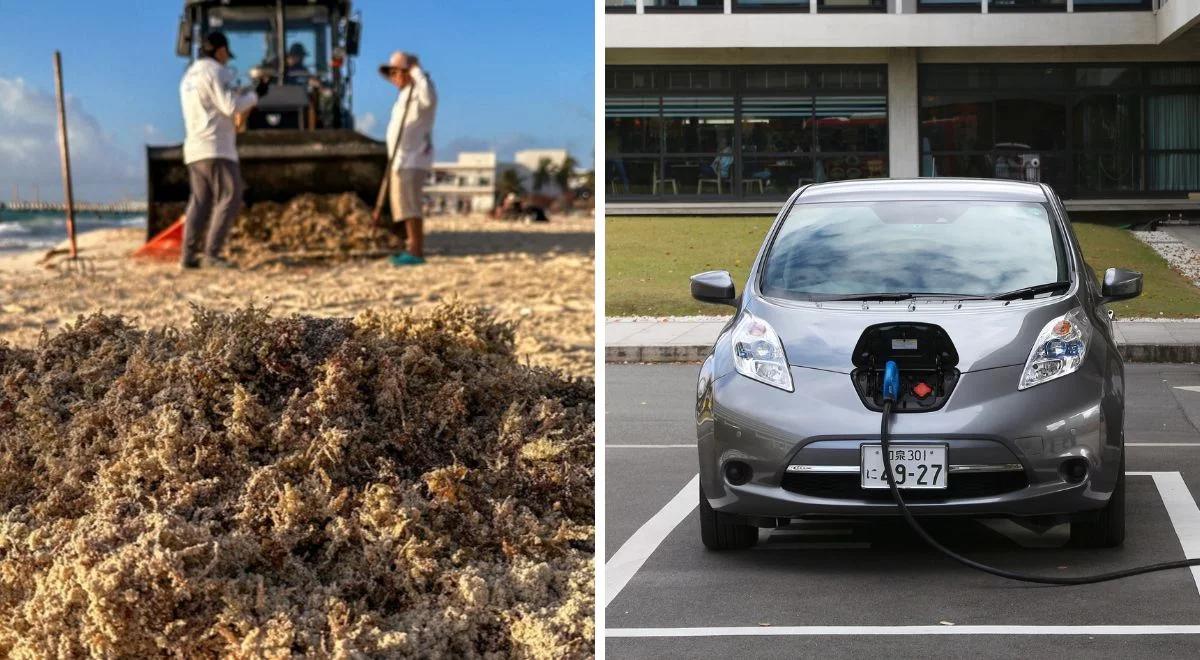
210,103
410,147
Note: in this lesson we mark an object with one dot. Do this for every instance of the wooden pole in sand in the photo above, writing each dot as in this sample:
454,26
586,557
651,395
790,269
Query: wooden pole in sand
64,150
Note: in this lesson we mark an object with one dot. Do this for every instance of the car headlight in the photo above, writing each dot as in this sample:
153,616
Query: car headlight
758,353
1059,349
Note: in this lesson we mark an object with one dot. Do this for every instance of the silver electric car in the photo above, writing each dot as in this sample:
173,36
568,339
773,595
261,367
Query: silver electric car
1012,389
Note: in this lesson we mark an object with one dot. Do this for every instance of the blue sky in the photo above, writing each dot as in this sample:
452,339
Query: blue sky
510,75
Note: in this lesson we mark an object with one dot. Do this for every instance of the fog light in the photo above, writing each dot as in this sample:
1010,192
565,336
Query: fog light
737,473
1074,469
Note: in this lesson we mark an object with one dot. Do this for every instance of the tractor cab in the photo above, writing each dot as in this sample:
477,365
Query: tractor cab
300,138
301,47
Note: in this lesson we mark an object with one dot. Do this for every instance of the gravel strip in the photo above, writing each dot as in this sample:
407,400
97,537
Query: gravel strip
1178,254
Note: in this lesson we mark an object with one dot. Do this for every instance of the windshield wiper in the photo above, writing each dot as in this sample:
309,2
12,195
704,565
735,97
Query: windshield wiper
875,296
904,295
1031,291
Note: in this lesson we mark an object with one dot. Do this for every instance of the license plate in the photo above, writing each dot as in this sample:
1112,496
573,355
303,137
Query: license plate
914,466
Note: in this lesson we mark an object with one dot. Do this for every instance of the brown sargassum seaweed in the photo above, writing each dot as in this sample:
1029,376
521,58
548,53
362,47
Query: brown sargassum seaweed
329,226
392,485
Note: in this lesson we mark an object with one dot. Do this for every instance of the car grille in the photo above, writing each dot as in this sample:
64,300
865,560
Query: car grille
966,485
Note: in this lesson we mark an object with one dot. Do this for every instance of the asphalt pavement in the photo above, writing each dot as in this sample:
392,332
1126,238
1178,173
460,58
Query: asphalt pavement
871,588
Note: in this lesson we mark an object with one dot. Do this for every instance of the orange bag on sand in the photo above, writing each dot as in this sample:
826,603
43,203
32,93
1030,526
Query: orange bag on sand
166,246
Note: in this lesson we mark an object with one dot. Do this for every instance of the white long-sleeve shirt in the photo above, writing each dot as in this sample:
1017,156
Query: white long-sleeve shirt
416,149
209,103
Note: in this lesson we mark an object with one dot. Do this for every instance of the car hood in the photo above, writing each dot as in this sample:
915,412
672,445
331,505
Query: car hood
986,334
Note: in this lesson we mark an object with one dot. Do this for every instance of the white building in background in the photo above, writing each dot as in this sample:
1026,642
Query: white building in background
733,104
470,184
465,186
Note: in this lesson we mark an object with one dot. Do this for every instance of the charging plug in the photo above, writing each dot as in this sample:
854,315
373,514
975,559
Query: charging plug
891,382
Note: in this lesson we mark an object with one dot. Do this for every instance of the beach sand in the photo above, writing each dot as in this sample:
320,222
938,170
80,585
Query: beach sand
540,275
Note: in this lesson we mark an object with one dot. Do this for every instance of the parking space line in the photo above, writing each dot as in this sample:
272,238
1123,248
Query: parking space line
772,631
1183,512
626,561
1181,508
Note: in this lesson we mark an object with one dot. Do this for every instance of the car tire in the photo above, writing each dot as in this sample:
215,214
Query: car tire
1104,528
719,531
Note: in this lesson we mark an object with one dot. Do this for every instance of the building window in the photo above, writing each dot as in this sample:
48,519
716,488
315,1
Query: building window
770,5
620,6
832,6
1173,142
1085,129
1113,5
685,5
698,143
949,5
1026,5
771,130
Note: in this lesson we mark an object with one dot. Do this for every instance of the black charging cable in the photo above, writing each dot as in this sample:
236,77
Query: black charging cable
1037,579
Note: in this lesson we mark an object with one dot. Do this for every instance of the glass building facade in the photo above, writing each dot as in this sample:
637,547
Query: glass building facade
741,132
1088,130
745,133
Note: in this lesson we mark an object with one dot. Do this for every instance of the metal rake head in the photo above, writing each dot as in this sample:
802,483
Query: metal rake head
77,266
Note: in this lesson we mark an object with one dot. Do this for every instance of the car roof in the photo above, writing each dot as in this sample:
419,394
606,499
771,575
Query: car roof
932,189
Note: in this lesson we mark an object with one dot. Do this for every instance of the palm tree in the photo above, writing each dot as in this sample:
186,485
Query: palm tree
510,182
543,174
564,173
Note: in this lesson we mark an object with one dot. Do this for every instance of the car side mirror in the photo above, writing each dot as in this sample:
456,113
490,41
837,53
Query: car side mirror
1121,284
714,286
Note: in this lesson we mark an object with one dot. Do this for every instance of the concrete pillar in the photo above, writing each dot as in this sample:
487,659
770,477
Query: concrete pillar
903,113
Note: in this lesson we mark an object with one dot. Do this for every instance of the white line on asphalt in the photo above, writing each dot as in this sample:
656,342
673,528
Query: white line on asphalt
1184,514
692,446
770,631
1189,388
619,570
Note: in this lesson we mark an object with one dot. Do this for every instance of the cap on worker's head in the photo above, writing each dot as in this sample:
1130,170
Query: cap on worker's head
398,60
297,50
214,41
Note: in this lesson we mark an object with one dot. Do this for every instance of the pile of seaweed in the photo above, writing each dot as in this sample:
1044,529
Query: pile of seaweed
249,486
309,225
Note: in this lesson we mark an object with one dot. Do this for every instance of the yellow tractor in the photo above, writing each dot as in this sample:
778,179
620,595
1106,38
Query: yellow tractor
300,137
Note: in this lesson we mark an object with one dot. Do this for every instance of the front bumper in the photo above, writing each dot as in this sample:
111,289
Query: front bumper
989,426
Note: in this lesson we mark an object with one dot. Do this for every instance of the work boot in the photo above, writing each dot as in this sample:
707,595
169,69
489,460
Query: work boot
208,261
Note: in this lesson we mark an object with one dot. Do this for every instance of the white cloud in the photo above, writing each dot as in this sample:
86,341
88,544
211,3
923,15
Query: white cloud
151,132
29,146
365,122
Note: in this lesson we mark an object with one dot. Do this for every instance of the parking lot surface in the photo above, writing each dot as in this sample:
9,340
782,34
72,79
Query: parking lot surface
871,587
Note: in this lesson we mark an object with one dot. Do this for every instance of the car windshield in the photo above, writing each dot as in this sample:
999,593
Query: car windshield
966,248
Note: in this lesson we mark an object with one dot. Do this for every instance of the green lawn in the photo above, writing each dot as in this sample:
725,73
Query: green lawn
649,260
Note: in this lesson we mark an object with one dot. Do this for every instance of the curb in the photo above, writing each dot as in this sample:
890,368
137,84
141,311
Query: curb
656,354
1167,353
1170,353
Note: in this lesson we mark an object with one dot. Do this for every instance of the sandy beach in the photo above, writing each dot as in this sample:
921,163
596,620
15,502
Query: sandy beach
539,275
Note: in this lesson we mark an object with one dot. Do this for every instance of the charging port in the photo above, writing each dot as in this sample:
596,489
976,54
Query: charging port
925,356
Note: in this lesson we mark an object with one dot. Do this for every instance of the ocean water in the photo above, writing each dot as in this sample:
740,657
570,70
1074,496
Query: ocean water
30,230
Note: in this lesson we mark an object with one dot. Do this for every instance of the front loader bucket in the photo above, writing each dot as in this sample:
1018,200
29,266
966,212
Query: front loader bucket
276,165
